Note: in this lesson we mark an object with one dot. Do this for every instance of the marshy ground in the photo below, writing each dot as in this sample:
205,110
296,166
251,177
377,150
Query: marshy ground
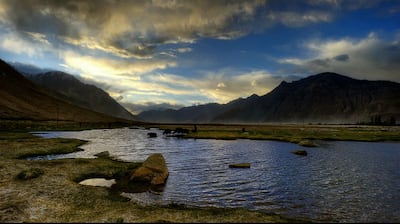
48,191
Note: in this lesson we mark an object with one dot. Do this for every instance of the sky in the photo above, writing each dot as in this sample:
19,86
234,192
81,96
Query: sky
171,53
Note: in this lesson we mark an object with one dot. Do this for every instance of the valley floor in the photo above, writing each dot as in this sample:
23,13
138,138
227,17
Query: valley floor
48,191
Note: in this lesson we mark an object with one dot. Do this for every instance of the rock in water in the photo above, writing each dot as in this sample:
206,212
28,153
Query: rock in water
300,152
239,165
153,171
152,134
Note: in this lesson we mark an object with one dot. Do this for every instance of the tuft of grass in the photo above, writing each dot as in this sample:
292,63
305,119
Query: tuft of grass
120,220
30,174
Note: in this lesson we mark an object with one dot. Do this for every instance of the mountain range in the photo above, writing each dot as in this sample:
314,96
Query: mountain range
322,98
21,99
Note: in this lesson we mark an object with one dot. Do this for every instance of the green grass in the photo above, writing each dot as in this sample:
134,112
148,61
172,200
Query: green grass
293,133
51,125
28,146
30,174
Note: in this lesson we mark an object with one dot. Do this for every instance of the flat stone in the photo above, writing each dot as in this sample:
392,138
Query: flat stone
98,182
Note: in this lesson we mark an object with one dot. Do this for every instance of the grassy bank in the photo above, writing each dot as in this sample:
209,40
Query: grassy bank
47,191
291,133
51,125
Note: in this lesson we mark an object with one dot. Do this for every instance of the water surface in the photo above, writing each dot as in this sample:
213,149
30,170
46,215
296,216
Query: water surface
337,182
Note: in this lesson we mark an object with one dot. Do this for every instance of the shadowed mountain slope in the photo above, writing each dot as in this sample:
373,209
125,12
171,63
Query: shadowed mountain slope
22,99
322,98
70,89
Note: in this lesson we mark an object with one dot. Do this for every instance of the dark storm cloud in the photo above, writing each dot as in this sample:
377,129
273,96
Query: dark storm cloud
342,57
130,28
136,28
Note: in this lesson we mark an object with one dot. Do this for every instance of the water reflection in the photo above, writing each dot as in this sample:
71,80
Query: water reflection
336,182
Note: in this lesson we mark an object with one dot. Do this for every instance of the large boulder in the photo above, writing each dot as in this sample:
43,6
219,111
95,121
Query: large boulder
153,171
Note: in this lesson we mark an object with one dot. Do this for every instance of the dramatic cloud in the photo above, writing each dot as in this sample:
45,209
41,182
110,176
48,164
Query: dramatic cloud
130,28
134,29
105,67
31,44
342,57
367,58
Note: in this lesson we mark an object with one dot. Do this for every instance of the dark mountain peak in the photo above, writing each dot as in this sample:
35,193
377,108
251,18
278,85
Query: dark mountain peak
253,96
326,80
321,78
328,77
58,75
28,69
6,69
9,75
283,84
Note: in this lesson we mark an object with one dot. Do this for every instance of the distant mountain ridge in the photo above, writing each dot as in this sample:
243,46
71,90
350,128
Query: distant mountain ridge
70,89
322,98
21,99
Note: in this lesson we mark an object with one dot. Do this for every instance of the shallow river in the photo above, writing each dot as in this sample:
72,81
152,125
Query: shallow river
336,182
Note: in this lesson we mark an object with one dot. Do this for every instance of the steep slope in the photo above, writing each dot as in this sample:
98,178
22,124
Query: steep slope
324,98
22,99
70,89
